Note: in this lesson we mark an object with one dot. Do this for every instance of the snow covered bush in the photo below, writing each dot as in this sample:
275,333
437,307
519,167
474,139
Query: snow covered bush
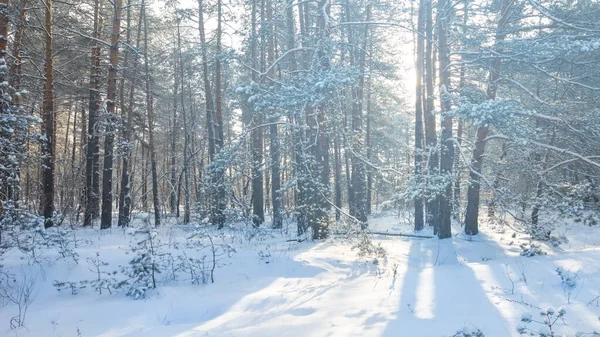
103,280
469,332
546,324
64,241
20,292
209,255
568,280
531,249
145,265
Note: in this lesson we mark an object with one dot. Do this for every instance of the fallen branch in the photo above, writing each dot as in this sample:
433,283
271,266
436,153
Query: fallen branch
401,234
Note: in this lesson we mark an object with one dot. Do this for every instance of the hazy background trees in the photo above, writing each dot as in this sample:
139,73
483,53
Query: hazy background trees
307,112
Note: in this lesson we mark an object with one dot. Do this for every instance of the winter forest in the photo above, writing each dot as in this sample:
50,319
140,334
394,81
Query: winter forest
299,168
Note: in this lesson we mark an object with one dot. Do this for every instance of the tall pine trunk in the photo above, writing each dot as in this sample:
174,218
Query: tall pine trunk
92,165
430,129
186,136
274,132
49,144
150,114
256,135
358,208
447,146
419,113
109,138
127,112
218,176
472,215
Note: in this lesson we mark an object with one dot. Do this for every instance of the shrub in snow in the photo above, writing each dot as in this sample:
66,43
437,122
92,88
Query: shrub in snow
64,241
209,256
568,280
26,232
545,326
591,219
360,240
74,287
19,291
469,332
103,280
531,249
196,268
144,266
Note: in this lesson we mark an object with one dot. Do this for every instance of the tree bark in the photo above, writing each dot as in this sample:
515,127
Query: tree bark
109,138
447,146
48,146
127,112
150,113
256,135
186,139
419,114
273,131
430,129
358,208
472,215
92,166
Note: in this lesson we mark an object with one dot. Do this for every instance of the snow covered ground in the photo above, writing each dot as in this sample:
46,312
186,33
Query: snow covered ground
273,287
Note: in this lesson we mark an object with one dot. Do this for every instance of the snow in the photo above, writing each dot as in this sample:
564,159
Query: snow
272,287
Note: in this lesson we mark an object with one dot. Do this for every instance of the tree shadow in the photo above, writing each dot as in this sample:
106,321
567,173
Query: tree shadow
441,294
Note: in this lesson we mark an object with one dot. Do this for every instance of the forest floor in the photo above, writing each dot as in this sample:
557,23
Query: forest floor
273,287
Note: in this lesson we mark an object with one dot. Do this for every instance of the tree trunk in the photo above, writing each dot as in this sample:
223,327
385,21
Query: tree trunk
15,75
459,130
109,138
4,23
256,135
447,150
92,166
186,141
338,176
150,112
127,112
472,215
173,205
274,132
358,208
48,146
419,114
218,177
319,217
430,129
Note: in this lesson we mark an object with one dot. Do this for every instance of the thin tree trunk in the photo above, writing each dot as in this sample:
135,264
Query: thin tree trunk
186,141
126,179
338,176
210,107
419,114
150,112
447,150
358,208
173,205
15,75
256,135
109,138
459,130
274,132
430,129
218,177
49,143
92,166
